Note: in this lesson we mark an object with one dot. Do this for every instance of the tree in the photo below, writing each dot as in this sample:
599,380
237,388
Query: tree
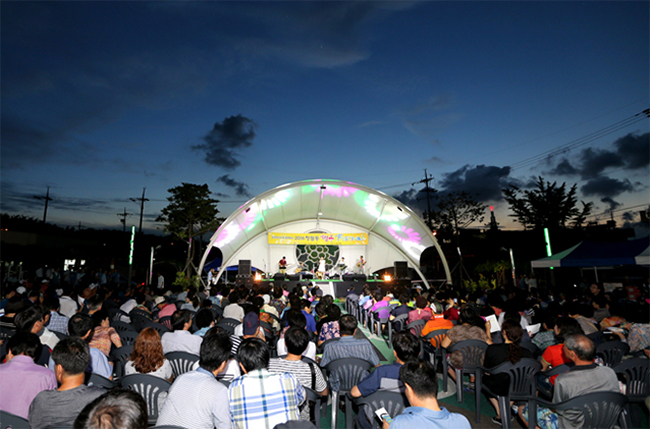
456,210
546,206
191,212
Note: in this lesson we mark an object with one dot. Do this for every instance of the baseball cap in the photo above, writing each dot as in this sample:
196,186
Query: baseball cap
251,323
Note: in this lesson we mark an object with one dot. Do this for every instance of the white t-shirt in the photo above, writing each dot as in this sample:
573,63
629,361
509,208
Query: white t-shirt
310,352
165,370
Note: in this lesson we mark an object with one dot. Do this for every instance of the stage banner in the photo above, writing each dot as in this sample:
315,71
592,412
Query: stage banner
359,239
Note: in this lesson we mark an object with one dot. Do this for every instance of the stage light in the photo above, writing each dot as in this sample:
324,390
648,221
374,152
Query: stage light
258,277
387,277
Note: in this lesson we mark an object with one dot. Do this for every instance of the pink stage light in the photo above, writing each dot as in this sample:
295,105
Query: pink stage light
402,233
336,191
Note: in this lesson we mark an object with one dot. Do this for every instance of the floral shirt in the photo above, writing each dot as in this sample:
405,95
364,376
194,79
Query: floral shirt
329,330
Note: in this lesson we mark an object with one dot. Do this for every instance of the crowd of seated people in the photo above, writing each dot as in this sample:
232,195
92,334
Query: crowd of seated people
58,333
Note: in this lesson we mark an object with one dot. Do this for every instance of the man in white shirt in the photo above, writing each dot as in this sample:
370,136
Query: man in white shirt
196,399
181,339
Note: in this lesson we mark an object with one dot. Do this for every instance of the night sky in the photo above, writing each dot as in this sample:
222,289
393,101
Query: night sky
103,99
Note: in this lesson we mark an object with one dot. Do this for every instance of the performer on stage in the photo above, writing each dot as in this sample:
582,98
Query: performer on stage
321,268
283,265
361,263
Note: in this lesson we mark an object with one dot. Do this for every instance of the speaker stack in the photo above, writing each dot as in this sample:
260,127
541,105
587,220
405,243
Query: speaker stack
401,270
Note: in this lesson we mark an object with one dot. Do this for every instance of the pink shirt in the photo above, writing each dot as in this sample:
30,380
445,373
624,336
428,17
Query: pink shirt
20,381
167,310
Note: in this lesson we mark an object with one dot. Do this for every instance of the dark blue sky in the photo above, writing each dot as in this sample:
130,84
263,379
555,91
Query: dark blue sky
102,99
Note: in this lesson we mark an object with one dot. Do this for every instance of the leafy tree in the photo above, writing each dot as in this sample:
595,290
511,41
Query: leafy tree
457,210
546,206
191,212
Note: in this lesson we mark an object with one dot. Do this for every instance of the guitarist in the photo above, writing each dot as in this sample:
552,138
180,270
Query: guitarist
361,263
283,265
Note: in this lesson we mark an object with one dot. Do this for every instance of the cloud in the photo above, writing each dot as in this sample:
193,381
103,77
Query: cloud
483,182
632,152
606,187
371,123
312,34
225,141
595,161
430,116
628,216
612,204
241,188
564,168
414,199
435,160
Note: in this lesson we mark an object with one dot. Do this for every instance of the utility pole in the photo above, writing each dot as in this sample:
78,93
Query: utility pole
426,180
123,220
142,200
46,198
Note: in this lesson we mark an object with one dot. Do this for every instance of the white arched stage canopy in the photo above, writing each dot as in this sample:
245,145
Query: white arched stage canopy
301,220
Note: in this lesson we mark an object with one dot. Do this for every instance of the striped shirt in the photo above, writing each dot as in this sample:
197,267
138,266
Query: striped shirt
301,371
348,347
196,400
262,400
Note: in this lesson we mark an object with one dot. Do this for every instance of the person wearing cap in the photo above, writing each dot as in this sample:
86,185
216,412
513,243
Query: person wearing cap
164,309
251,329
181,339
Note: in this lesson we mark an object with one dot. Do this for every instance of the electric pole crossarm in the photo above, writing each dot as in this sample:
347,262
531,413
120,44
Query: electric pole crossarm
141,200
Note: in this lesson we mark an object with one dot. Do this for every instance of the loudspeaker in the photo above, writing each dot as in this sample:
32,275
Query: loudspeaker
244,267
348,277
360,277
401,270
279,277
294,277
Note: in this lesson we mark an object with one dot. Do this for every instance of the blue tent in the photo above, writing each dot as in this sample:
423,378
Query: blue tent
599,254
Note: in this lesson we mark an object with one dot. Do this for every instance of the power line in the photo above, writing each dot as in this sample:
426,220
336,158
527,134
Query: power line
582,140
618,210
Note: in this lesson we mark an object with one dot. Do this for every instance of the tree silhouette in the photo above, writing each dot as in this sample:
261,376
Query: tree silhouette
546,206
191,212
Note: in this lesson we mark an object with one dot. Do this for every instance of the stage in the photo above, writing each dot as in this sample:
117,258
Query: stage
335,287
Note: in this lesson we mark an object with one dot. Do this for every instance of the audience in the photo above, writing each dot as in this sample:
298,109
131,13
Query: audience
496,354
280,384
348,347
295,318
21,371
147,356
308,374
421,390
81,326
196,399
406,347
260,398
116,409
584,377
104,336
181,339
62,406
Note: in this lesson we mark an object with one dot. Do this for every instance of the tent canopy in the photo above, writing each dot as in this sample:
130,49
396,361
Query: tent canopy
331,207
599,254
